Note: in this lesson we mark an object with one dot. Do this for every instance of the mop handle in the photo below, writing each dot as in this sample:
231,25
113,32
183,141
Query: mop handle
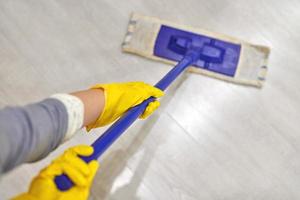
63,182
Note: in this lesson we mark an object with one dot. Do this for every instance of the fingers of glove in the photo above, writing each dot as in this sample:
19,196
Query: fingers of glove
93,167
82,150
51,171
71,156
69,153
76,162
75,175
152,91
152,106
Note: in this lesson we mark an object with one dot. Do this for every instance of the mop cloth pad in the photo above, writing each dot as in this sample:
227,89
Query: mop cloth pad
229,59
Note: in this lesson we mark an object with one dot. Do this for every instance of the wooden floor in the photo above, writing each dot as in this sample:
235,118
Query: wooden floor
209,140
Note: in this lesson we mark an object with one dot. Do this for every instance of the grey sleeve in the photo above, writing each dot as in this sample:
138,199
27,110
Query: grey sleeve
29,133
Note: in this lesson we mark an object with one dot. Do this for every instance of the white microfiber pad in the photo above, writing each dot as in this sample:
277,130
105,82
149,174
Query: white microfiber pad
252,62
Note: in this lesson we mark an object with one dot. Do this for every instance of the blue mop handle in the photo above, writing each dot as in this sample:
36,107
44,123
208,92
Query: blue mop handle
63,183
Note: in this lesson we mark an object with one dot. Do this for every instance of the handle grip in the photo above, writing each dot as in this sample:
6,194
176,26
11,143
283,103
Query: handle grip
63,182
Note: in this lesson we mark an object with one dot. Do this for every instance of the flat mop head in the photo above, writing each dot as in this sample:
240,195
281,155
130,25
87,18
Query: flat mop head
221,56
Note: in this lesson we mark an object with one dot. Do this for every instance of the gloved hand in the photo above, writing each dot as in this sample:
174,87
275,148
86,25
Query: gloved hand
119,97
82,174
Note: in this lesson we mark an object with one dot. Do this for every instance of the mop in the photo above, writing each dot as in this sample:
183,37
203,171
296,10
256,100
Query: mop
199,51
221,56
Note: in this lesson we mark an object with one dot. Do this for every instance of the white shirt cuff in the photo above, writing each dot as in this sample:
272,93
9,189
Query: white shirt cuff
75,110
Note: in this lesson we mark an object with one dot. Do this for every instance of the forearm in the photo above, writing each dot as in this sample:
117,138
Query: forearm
29,133
93,101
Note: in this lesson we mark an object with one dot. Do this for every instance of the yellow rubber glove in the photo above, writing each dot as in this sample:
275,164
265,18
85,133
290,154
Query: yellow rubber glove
119,97
82,174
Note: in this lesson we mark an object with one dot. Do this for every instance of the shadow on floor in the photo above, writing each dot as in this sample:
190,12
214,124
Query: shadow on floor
115,163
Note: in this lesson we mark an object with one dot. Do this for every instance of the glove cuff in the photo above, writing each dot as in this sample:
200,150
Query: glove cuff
24,196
